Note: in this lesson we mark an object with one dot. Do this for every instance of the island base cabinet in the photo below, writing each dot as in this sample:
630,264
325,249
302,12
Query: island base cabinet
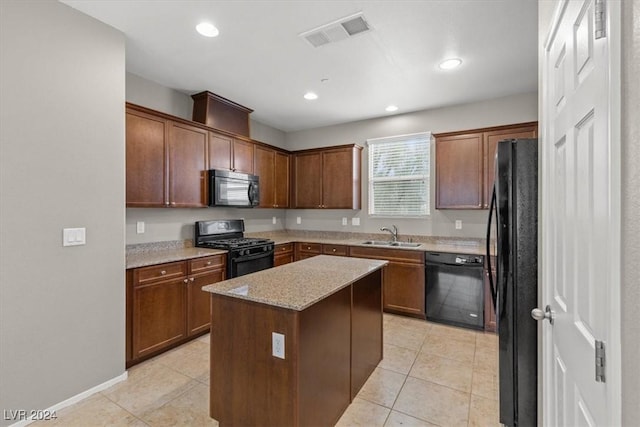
366,329
314,383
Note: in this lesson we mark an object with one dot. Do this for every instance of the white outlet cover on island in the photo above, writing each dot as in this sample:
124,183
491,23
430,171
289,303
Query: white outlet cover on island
355,221
298,220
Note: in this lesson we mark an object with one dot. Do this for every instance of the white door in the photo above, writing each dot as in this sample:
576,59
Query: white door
580,218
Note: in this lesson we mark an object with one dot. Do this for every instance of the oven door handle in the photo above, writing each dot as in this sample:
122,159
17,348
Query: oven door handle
252,257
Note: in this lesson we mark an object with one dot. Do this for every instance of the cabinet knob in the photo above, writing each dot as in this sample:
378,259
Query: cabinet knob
186,280
308,247
173,203
192,279
334,249
163,272
208,262
166,203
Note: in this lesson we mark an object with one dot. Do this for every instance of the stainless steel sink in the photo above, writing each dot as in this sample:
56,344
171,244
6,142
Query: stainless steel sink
377,242
405,244
393,244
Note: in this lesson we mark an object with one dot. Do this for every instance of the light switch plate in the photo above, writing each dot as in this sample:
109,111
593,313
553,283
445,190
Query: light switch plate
140,227
74,236
344,221
274,220
298,220
355,221
458,224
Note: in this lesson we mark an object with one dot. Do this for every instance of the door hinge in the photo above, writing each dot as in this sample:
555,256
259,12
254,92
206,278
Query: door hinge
600,361
600,17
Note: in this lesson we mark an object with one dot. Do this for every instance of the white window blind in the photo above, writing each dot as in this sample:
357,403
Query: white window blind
399,175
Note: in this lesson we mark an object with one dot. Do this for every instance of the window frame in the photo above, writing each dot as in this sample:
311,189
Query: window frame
427,136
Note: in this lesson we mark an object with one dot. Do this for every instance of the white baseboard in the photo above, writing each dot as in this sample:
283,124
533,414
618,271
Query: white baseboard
77,398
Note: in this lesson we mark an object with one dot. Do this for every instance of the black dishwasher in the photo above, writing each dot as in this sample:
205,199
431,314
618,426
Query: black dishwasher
455,289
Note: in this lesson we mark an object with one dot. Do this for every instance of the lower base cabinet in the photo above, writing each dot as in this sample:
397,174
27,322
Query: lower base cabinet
404,279
283,254
166,305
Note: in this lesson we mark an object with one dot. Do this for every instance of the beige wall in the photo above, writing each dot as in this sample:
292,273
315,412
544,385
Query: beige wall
501,111
62,165
630,290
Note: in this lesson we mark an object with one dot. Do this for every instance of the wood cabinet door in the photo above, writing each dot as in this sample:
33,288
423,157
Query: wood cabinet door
158,316
282,166
491,140
404,288
187,166
146,162
265,160
220,149
243,156
459,172
337,179
199,301
307,180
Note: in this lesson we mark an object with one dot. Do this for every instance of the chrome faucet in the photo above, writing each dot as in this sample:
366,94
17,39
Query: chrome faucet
394,232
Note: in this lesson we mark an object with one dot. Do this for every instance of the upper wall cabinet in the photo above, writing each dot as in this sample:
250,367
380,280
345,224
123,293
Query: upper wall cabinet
272,167
327,178
231,154
465,164
166,162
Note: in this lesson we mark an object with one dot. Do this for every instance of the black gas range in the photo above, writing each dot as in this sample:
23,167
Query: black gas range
245,254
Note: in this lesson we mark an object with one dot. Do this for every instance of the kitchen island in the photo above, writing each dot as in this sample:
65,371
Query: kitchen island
327,309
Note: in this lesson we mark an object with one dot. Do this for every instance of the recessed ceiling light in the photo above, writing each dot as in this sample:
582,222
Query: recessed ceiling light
391,108
450,63
310,96
207,29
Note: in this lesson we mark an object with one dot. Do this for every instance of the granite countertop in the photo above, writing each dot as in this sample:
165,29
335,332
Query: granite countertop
298,285
143,255
429,244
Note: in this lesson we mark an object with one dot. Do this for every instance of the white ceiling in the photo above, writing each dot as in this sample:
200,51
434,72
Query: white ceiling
259,60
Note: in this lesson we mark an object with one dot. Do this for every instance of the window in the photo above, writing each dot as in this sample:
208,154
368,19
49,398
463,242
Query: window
399,175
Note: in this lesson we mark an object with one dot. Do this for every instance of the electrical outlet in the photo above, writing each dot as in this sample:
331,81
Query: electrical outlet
344,221
298,220
277,345
274,220
355,221
458,224
140,227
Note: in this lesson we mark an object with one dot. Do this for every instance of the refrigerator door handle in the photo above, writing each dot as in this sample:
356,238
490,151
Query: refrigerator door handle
492,206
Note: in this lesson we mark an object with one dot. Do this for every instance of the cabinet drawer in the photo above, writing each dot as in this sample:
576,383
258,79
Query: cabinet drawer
283,248
199,265
154,273
309,248
340,250
401,255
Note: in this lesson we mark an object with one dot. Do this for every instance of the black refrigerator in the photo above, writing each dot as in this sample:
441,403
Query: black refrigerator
514,289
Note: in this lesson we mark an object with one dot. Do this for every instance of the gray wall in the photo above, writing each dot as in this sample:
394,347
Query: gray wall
62,311
630,292
501,111
153,95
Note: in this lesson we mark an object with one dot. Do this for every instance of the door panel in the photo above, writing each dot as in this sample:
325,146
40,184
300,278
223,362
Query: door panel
187,166
579,218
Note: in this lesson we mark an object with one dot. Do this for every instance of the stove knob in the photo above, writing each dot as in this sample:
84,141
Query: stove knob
265,248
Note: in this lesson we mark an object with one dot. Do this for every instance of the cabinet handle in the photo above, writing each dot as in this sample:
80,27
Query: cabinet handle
186,280
163,272
192,279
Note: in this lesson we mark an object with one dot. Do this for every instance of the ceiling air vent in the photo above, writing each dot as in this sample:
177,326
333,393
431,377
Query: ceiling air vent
337,30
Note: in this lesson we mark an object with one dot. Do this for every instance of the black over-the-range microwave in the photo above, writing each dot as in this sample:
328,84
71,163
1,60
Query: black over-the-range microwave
236,189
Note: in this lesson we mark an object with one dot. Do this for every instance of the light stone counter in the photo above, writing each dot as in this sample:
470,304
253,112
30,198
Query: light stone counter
427,243
143,255
300,284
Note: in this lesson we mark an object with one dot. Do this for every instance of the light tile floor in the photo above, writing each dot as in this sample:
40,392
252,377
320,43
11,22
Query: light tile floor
430,375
